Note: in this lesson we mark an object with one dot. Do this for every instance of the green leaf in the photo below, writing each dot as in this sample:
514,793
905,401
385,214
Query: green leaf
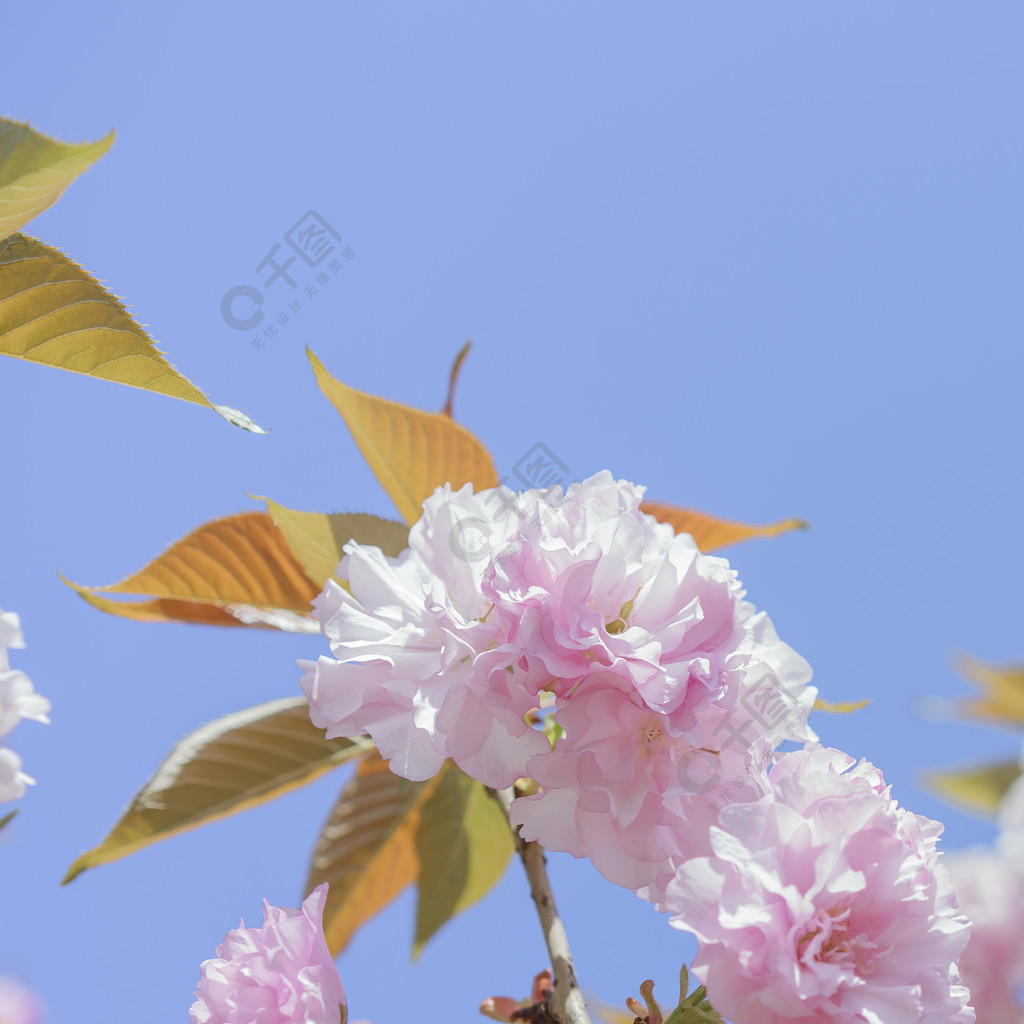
5,820
980,789
463,843
35,170
235,762
367,848
316,538
53,312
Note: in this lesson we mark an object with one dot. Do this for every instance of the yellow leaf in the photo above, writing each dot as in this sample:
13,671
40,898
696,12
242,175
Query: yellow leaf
463,844
711,533
240,560
843,707
233,763
453,379
367,849
35,170
411,452
316,538
980,789
52,312
1002,690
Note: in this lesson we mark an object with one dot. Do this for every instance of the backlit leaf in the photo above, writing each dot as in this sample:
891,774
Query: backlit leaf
712,533
53,312
980,789
241,560
1002,690
235,762
367,849
35,170
463,843
316,538
411,452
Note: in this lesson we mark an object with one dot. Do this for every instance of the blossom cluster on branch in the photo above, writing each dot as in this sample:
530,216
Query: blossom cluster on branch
636,654
570,639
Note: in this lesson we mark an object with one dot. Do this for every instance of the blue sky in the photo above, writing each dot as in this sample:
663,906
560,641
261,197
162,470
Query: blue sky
764,259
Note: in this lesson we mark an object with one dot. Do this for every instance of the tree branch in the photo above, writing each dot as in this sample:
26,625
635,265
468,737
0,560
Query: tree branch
567,1003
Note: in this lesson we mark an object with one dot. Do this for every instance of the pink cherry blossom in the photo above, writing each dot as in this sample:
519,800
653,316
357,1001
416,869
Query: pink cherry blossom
406,635
282,973
667,683
18,1004
990,890
18,700
596,585
824,900
665,690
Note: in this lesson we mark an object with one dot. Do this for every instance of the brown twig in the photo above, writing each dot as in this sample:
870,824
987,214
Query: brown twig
567,1003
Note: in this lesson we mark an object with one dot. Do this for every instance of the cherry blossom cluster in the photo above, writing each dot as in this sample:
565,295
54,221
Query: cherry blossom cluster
591,649
18,700
574,641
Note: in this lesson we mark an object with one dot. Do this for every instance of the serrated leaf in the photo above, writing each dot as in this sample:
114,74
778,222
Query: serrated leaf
233,763
35,170
980,789
843,707
411,452
316,538
238,561
53,312
463,843
367,849
1002,691
712,533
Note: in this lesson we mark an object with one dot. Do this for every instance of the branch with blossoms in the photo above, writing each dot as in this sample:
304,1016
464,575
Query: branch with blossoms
582,643
575,651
